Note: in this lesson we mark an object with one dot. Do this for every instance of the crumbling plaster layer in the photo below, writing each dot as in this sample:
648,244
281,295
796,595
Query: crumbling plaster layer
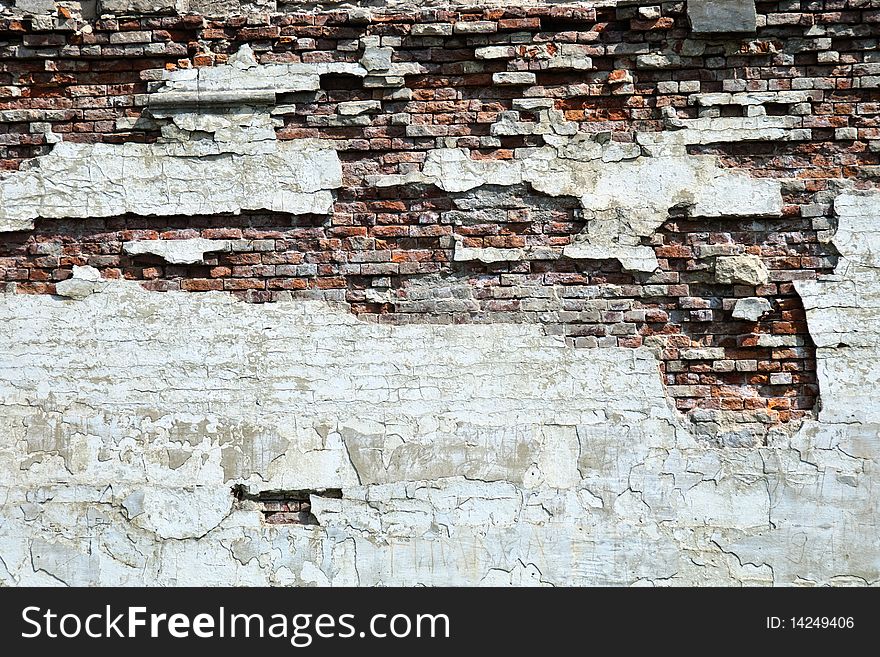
625,201
103,180
626,190
843,313
186,251
466,454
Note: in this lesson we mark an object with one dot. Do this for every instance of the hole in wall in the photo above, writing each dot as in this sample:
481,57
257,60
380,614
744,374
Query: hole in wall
286,507
777,109
337,81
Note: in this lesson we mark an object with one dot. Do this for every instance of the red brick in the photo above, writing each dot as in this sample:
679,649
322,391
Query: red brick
201,285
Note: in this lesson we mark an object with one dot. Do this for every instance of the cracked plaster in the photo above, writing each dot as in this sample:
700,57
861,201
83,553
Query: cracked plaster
477,454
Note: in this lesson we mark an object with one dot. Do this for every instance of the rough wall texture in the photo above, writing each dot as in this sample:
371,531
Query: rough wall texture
317,293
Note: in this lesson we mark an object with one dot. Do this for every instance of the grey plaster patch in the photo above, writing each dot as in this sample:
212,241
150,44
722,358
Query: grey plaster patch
746,269
751,308
625,199
722,15
83,282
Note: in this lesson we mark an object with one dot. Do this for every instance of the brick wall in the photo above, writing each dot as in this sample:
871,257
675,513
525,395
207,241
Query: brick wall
389,251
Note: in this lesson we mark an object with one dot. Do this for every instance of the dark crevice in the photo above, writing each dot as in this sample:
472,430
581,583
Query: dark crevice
341,81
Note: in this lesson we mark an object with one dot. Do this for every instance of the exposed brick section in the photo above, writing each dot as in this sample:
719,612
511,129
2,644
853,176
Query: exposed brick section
81,83
393,251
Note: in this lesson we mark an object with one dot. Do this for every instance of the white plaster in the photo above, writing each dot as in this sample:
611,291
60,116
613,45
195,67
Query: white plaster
843,313
104,180
82,282
178,252
509,457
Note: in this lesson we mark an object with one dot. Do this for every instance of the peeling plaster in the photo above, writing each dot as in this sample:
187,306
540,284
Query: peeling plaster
563,466
103,180
186,251
626,193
